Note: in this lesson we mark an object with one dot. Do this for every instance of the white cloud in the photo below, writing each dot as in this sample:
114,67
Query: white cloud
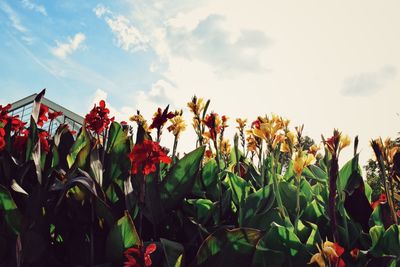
300,76
64,49
35,7
368,83
128,37
14,18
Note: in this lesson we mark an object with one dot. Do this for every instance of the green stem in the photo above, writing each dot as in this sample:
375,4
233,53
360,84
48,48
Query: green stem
219,179
276,191
296,222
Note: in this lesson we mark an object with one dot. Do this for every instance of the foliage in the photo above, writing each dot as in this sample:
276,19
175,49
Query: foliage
112,197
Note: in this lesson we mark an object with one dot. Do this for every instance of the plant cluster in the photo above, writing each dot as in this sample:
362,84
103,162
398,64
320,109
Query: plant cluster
111,195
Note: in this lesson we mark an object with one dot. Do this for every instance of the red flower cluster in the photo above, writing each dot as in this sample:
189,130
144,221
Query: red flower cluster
4,114
16,124
132,260
147,155
160,118
55,114
42,118
97,120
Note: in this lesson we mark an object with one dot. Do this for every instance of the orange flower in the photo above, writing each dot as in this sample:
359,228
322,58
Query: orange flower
329,255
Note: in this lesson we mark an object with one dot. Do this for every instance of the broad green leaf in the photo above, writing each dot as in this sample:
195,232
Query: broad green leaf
376,233
203,209
234,247
256,203
80,150
240,188
284,239
122,236
180,179
391,241
346,171
10,211
117,163
315,173
288,193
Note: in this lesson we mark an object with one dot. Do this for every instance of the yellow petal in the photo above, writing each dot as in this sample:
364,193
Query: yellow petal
319,259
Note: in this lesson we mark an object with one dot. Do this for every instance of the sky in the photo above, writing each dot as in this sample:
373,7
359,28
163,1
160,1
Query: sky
324,64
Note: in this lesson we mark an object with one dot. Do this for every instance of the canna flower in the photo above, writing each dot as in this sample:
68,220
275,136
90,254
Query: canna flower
21,141
213,122
382,199
55,114
132,260
302,160
4,114
225,147
2,141
313,149
208,155
355,252
177,126
241,123
97,120
344,141
160,118
146,156
17,124
196,106
140,120
224,121
42,118
329,255
252,143
43,139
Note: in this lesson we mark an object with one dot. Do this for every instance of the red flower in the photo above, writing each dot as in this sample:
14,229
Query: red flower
97,120
354,253
382,199
43,139
147,155
160,118
4,114
132,260
213,123
42,114
2,141
17,124
55,114
256,124
21,140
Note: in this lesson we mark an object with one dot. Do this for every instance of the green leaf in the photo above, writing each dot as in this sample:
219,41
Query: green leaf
173,252
258,202
391,241
240,188
181,178
288,193
346,171
10,211
122,236
376,233
234,247
284,239
203,209
314,172
80,150
117,163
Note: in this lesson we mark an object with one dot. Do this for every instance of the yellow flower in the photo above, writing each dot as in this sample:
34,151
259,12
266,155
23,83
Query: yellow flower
241,123
302,160
278,139
318,258
225,147
140,120
251,143
313,149
178,125
344,141
292,137
196,106
285,148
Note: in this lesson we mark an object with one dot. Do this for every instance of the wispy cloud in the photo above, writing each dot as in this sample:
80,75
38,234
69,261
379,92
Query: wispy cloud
367,83
128,37
62,50
13,17
35,7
